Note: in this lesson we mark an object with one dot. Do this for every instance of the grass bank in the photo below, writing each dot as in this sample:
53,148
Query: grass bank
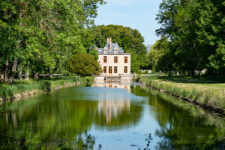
206,93
22,88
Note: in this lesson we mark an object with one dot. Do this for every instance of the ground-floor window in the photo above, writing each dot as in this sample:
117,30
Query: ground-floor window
110,69
115,69
105,69
125,69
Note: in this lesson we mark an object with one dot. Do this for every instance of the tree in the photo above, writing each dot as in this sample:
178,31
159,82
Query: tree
196,31
40,36
159,56
84,65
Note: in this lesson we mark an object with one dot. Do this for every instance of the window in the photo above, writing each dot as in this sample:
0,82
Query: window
115,59
115,69
105,59
125,59
110,69
115,50
105,69
125,69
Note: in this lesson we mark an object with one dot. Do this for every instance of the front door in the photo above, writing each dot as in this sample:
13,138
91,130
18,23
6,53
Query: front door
110,70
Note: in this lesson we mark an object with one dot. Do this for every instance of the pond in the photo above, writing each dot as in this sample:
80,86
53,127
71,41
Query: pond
111,116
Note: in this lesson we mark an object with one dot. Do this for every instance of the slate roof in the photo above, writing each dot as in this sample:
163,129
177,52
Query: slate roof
115,49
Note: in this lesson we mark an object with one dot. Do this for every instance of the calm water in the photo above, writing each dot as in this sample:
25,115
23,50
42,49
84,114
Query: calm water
108,117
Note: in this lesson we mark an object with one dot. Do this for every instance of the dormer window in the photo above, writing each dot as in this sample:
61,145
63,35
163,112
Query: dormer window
115,50
105,50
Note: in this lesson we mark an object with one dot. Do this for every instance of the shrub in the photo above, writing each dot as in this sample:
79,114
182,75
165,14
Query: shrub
84,65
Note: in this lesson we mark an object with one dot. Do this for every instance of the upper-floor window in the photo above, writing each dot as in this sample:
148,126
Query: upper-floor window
115,59
105,59
125,59
125,69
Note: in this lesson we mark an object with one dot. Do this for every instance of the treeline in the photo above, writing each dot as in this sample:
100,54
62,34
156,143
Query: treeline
193,37
40,36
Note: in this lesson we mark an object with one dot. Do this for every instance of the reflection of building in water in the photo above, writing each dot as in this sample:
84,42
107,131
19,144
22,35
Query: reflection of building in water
112,109
113,85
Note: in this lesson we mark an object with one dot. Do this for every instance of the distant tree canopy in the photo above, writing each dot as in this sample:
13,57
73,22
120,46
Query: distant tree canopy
84,65
129,39
158,56
40,36
195,30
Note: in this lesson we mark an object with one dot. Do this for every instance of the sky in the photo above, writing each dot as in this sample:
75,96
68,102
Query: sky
137,14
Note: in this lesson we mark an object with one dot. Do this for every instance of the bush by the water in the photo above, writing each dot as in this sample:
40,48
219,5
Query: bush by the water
84,65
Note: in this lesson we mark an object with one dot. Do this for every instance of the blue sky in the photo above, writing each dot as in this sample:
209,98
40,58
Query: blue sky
137,14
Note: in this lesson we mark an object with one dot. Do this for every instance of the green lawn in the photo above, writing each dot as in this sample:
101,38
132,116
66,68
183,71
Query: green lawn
208,92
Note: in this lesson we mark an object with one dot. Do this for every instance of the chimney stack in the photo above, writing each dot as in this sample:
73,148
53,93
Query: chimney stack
110,43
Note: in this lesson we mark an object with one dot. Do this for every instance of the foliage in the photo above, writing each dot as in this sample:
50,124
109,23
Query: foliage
195,30
158,56
84,65
40,36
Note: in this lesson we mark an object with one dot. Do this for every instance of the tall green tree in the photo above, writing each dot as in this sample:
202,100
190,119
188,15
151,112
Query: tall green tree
159,56
196,31
40,36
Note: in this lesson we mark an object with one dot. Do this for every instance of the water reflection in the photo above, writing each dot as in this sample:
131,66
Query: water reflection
112,109
122,85
84,118
183,126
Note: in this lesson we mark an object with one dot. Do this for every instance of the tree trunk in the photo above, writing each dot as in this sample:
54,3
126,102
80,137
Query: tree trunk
10,80
170,73
27,74
160,73
20,75
36,76
6,69
20,72
14,68
193,72
189,73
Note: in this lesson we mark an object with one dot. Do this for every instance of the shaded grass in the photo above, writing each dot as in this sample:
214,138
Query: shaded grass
20,86
211,119
208,92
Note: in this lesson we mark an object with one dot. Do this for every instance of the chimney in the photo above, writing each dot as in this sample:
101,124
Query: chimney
110,44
